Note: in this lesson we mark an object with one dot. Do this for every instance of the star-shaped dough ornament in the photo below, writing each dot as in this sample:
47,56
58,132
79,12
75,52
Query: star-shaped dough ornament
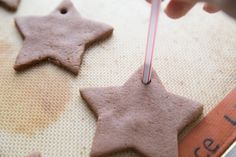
138,117
61,37
10,4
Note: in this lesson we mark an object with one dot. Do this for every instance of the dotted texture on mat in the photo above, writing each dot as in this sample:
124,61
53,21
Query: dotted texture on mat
41,108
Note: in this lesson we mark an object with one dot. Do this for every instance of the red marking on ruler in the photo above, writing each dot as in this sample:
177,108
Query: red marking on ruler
214,134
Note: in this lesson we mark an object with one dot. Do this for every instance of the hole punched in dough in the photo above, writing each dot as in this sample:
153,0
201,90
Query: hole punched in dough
63,11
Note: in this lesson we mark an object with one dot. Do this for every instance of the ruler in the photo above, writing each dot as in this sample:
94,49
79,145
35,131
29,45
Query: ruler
214,134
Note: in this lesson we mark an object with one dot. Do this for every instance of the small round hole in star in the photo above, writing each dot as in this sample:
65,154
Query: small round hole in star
63,11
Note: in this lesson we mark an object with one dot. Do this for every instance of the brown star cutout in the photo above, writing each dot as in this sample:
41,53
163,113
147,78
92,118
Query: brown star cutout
60,37
10,4
143,118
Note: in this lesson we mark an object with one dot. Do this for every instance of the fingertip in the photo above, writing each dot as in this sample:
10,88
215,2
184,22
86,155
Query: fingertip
210,8
177,9
171,14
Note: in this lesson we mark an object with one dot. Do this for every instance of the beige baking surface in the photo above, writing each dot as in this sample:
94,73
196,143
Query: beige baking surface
41,108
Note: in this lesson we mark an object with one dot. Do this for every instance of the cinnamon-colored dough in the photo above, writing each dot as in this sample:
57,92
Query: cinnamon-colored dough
143,118
60,37
10,4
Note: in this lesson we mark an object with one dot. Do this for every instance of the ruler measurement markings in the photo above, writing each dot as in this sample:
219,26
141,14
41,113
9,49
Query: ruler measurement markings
215,133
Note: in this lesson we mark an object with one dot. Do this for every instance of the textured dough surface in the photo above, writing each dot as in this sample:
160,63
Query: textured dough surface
60,37
144,118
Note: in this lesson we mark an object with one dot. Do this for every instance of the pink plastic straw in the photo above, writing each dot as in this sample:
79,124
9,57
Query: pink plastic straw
155,11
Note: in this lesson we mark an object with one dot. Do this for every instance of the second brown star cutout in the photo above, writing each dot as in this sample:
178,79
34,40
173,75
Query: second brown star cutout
143,118
60,37
10,4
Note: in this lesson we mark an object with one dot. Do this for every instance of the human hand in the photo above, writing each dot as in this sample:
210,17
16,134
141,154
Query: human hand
178,8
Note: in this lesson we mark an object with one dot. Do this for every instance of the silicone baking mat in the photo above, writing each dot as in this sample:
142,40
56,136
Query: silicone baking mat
41,108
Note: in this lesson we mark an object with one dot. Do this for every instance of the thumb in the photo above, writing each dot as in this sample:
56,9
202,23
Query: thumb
211,8
178,8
